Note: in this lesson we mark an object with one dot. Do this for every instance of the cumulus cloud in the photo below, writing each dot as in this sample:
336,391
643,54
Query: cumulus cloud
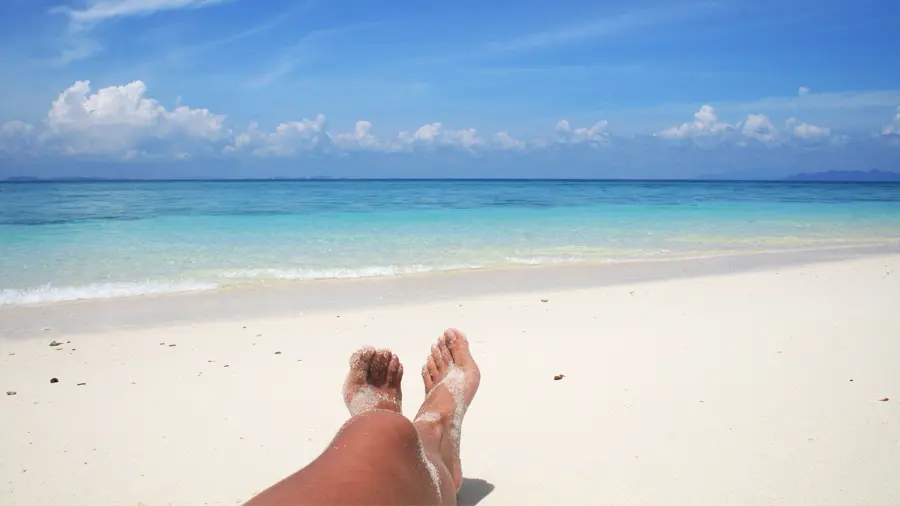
360,138
758,126
434,134
121,118
803,91
595,134
505,141
705,123
893,128
287,139
806,131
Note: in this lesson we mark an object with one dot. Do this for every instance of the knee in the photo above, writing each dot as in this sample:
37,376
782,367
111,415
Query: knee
383,427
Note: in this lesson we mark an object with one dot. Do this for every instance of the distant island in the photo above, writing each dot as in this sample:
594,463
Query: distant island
846,175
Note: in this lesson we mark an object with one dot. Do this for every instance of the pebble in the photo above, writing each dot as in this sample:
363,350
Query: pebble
10,393
56,343
81,384
278,353
545,300
54,380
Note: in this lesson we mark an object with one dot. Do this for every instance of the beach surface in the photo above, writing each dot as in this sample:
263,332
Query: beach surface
773,385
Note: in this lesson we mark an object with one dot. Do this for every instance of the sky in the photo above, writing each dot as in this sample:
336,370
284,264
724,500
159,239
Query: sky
354,88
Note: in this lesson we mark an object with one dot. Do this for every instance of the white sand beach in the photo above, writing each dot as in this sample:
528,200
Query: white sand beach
751,387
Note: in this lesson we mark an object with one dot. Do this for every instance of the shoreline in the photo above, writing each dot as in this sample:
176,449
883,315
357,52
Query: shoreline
288,297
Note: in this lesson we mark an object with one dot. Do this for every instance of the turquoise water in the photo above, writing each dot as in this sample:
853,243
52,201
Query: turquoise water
66,241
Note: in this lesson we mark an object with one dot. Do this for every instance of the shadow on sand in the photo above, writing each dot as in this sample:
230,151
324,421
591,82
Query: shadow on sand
472,491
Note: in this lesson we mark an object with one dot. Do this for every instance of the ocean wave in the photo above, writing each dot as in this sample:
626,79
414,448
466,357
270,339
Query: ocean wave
340,272
543,260
50,293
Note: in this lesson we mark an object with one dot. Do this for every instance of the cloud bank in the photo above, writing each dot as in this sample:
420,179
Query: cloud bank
125,122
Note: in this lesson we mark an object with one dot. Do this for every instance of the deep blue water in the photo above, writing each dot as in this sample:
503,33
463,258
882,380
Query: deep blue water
63,241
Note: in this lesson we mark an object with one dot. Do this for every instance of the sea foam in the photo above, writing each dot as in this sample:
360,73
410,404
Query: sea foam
50,293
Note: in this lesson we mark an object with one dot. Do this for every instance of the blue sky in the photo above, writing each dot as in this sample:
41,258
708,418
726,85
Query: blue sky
184,88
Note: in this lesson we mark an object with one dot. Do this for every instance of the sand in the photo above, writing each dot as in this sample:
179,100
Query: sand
762,386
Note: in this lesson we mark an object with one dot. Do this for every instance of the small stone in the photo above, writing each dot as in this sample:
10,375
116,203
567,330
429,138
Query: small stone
278,353
258,335
545,300
162,344
226,365
11,354
81,384
10,392
56,343
171,346
559,377
54,380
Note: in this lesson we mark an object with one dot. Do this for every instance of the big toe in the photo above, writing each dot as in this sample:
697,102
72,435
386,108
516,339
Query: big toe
360,363
458,345
378,370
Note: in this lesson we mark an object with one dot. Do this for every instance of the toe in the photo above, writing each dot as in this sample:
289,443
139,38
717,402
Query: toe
445,352
378,369
393,371
426,377
432,368
457,343
399,373
438,359
359,364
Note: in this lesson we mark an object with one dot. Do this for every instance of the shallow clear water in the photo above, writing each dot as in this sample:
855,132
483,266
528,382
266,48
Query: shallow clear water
65,241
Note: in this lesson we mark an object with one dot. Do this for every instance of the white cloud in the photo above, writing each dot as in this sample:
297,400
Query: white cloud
893,128
505,141
434,134
120,118
755,127
806,131
596,134
360,138
803,91
705,123
100,10
758,126
287,139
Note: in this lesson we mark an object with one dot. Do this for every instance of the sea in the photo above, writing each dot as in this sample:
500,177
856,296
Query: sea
64,241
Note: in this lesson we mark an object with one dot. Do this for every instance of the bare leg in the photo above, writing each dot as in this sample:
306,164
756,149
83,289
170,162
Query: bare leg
451,379
379,457
376,458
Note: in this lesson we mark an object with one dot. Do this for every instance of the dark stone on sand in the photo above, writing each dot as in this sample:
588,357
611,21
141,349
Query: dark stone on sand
56,343
81,384
54,380
226,366
171,346
10,393
278,353
545,300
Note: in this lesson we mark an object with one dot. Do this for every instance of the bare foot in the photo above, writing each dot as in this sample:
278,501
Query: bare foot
373,381
451,379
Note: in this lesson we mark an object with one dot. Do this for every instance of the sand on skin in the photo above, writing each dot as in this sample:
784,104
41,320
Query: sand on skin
729,389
